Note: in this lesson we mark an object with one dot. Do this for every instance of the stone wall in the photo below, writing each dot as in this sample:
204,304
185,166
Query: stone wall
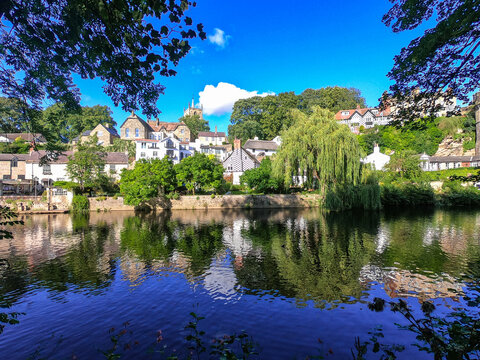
37,204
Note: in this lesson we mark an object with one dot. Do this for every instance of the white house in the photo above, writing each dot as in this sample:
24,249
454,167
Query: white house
377,159
56,169
367,117
237,162
220,151
169,146
435,163
262,147
211,138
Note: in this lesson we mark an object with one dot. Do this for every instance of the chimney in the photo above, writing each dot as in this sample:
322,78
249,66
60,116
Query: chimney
358,106
133,114
255,138
106,125
215,129
476,103
376,148
237,144
158,121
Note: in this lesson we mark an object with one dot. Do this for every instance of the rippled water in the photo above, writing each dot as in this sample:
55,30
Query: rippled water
288,278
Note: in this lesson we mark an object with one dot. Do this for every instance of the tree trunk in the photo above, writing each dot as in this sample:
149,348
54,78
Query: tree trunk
476,102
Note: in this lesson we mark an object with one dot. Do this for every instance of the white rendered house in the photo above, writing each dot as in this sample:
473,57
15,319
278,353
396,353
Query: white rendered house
377,159
170,146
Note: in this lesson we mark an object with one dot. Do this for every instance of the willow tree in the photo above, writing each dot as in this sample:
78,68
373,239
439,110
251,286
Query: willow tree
319,149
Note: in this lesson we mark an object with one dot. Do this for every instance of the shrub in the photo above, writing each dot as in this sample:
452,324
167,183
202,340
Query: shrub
456,195
407,194
80,204
212,196
347,197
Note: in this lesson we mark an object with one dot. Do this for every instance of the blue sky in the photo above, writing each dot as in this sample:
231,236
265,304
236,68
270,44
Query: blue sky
272,47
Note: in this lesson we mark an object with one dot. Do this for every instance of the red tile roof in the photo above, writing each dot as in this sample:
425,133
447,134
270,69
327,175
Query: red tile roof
211,134
168,126
351,112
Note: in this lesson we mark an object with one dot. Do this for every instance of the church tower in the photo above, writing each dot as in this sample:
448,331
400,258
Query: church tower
192,110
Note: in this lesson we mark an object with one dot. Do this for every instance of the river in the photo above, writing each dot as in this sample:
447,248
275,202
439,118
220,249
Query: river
297,282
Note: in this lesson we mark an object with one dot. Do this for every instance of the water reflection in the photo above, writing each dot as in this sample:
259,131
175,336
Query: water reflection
304,255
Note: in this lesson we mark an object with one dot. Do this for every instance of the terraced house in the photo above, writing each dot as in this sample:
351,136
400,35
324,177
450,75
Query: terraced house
366,118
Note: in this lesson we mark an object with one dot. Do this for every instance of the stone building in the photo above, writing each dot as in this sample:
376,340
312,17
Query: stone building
134,127
12,166
192,110
179,129
105,135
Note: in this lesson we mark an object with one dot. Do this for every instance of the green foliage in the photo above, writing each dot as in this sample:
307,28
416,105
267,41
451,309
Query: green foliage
18,146
199,172
80,204
347,197
405,164
443,175
59,124
121,145
456,195
407,194
262,179
147,181
195,124
267,116
319,148
86,165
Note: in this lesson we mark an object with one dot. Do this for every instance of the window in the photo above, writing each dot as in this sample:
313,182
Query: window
100,133
21,177
47,170
155,154
169,143
144,145
142,154
345,113
127,132
170,153
14,162
230,167
137,132
112,167
6,177
182,131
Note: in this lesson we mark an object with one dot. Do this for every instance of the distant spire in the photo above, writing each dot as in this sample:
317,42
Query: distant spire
193,102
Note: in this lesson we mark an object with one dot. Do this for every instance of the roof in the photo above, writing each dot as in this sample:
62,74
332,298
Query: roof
136,117
223,147
167,126
8,157
260,145
339,115
211,134
454,158
238,152
111,158
25,136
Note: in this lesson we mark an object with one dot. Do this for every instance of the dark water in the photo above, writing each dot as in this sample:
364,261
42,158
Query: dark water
287,278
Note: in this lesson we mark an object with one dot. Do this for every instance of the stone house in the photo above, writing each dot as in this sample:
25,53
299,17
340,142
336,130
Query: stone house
237,162
179,129
13,166
105,135
134,127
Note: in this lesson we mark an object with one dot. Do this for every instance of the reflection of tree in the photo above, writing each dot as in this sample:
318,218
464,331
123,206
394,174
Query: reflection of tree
86,265
316,259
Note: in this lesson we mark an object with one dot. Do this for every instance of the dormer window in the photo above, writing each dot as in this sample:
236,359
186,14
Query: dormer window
345,113
375,111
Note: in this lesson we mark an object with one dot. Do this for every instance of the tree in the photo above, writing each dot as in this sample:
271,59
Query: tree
59,124
87,164
445,57
195,124
120,145
406,164
147,181
125,43
331,98
262,179
319,149
199,172
14,115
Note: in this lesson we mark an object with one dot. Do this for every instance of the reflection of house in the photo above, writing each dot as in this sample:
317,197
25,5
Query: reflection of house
170,146
237,162
377,159
261,148
434,163
367,117
11,137
56,169
105,135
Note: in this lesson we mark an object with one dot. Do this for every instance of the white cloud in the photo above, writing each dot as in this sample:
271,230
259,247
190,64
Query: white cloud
219,38
219,100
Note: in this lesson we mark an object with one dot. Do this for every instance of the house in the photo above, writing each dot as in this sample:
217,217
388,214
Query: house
161,128
55,169
366,117
170,146
220,151
377,159
262,148
28,137
12,166
237,162
105,135
134,127
211,137
435,163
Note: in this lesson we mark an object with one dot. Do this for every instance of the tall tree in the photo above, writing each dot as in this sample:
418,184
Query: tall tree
15,115
331,98
60,124
446,57
87,164
126,43
199,172
195,124
319,149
